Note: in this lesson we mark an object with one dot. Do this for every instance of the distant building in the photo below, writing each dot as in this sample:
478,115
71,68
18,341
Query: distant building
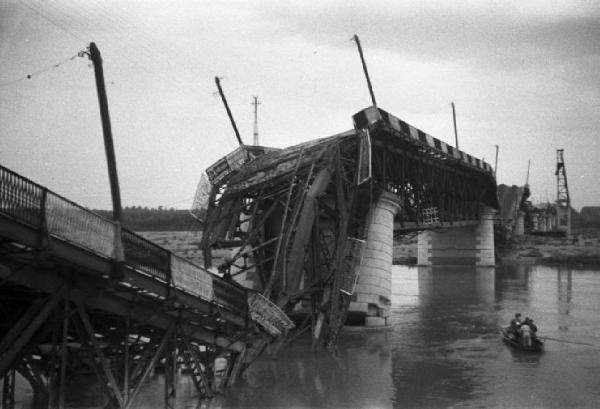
590,216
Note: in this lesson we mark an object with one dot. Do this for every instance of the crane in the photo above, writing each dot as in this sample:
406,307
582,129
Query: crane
563,201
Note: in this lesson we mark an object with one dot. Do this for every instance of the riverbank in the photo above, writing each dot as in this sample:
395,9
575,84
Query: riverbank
581,249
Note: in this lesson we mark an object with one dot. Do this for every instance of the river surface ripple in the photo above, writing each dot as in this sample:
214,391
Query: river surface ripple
443,350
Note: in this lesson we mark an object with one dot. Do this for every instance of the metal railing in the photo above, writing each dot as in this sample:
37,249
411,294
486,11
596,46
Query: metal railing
49,213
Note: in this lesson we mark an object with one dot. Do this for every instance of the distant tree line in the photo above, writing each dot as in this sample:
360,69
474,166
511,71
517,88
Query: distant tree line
138,218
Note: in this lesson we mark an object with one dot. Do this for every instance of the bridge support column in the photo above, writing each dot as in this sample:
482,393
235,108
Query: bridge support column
470,245
541,223
372,297
520,224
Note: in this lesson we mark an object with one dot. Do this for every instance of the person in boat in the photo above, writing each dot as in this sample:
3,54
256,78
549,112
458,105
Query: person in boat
525,331
515,325
532,326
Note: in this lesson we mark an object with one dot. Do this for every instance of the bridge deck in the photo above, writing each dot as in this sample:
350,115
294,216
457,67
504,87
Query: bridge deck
54,251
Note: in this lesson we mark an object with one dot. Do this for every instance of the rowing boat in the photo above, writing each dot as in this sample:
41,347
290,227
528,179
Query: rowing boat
536,344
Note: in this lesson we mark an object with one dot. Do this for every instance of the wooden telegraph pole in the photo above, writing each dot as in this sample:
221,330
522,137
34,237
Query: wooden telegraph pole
237,133
496,163
364,65
96,58
454,121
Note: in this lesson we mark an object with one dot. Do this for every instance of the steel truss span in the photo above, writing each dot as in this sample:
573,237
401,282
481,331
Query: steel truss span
295,220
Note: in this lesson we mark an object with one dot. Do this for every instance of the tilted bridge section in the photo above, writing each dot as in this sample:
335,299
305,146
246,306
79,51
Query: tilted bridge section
311,226
78,294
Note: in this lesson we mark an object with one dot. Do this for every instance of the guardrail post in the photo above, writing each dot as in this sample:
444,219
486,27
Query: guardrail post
169,276
119,255
42,222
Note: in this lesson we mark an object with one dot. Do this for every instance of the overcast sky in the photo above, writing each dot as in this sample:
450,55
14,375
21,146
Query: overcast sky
524,75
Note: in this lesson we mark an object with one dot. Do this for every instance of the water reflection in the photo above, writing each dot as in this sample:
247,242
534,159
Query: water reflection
564,285
453,324
447,351
511,279
302,378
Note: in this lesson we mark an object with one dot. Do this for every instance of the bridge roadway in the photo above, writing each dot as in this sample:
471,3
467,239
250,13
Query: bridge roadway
67,298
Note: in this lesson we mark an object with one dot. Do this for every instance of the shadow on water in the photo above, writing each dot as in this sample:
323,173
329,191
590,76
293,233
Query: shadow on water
523,357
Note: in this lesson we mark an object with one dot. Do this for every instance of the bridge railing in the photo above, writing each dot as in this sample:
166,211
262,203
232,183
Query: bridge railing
20,198
49,213
77,225
145,255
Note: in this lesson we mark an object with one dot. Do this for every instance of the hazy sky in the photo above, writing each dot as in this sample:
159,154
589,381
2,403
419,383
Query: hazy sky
523,74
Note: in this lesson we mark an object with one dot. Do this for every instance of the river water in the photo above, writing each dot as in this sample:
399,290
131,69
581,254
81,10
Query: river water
443,349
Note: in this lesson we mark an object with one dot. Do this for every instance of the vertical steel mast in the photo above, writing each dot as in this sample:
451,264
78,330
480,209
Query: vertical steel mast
563,201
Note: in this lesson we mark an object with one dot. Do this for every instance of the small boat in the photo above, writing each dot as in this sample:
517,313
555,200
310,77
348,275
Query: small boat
536,344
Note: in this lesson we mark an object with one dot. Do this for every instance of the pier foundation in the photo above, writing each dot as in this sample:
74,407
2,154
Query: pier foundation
373,293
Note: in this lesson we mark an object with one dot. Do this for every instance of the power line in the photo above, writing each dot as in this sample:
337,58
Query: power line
40,71
45,17
115,31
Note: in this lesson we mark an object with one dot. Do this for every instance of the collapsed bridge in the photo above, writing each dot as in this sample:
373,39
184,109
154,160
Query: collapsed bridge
303,222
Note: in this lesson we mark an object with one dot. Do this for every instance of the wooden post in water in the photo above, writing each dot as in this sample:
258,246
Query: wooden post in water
96,58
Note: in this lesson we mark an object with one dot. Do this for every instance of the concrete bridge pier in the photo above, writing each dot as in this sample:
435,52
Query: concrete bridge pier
520,224
470,245
373,294
542,223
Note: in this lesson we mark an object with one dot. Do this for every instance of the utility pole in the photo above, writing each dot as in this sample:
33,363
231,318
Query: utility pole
454,121
96,58
496,164
237,133
364,65
256,104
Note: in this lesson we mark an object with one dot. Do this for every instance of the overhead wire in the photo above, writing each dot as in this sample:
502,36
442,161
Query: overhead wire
155,50
40,71
50,20
49,10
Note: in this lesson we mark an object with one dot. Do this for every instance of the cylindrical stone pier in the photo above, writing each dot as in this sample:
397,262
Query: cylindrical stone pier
373,293
484,239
